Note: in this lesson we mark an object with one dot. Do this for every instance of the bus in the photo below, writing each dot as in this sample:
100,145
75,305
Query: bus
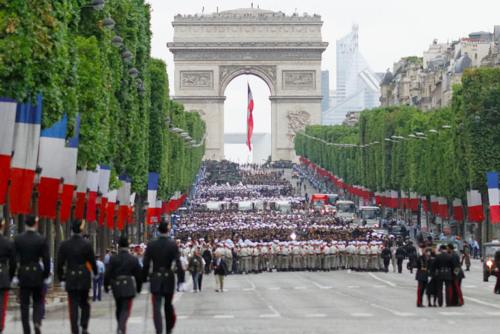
370,215
346,209
332,198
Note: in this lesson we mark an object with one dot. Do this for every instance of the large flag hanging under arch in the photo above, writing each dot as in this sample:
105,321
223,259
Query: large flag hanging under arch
249,118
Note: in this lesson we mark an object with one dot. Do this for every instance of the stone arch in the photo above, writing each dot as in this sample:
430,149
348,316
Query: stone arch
229,73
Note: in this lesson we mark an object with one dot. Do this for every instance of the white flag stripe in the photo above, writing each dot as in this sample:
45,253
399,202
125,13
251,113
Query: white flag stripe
27,139
7,124
81,181
474,198
51,157
457,202
93,180
152,198
68,170
493,196
112,196
104,181
132,198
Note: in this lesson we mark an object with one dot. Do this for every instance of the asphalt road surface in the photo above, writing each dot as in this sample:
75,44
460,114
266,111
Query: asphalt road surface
302,302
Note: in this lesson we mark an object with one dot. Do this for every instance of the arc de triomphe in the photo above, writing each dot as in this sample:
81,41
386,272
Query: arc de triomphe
285,51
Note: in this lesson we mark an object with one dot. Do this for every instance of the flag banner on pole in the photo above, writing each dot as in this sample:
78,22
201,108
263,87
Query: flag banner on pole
124,198
23,164
93,186
68,172
405,201
475,206
103,188
131,208
394,199
249,118
443,207
51,158
425,204
152,191
434,205
414,199
110,209
492,178
458,211
158,211
81,193
7,124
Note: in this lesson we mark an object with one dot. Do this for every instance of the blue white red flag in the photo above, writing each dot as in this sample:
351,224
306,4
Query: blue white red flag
7,125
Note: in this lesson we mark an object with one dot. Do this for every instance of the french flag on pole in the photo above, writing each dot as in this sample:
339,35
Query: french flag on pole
81,193
492,178
103,184
414,199
131,208
475,205
93,185
23,165
443,207
249,118
434,205
51,158
152,191
110,209
124,199
68,172
7,124
458,211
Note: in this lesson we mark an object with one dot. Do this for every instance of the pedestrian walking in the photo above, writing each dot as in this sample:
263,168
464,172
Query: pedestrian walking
75,261
220,271
98,279
30,247
124,277
162,252
195,268
466,257
8,267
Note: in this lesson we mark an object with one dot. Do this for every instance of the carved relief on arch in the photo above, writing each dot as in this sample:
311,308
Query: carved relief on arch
199,111
226,73
297,120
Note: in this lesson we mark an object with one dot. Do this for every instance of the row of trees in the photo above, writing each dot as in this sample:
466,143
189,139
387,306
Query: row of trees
63,50
446,162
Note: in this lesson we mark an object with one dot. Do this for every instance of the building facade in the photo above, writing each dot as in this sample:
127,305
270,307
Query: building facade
325,90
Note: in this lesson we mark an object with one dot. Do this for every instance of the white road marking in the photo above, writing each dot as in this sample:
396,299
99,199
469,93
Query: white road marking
382,280
362,314
380,286
404,314
248,289
470,286
182,316
223,316
352,286
481,302
275,314
274,288
451,313
300,288
253,285
316,315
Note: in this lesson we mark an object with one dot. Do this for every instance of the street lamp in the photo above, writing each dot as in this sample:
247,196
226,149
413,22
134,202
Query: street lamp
477,119
98,4
108,23
127,56
446,127
145,207
117,41
141,90
434,131
133,72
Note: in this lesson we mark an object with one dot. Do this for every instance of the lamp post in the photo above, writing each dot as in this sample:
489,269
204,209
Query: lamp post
143,229
115,227
98,230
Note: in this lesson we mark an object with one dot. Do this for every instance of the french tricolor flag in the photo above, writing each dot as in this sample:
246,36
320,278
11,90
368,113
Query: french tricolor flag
131,205
475,206
152,191
158,210
23,165
51,158
110,209
405,201
434,205
458,211
93,186
124,199
69,172
443,207
7,123
425,204
492,178
81,193
103,185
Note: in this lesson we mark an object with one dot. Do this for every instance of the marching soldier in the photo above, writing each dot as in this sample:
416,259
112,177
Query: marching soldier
77,255
8,267
386,257
422,276
124,276
400,256
30,248
162,252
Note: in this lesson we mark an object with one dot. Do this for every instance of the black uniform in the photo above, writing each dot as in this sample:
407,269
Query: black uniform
400,256
124,276
77,257
443,266
422,276
457,275
497,266
7,271
31,247
162,252
386,256
411,252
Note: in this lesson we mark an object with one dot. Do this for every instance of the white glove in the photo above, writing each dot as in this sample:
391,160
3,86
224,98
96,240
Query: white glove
147,285
63,285
429,279
47,281
15,281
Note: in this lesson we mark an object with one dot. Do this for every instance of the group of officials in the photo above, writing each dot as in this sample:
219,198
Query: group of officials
26,263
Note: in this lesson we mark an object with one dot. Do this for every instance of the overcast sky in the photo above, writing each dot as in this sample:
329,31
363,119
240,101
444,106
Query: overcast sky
388,30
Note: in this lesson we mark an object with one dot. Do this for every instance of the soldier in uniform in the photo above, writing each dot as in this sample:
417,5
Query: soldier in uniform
123,275
400,256
30,248
443,265
162,252
77,257
386,257
422,276
8,267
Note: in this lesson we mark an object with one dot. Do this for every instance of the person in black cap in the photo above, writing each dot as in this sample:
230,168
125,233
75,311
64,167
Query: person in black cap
75,260
30,247
8,267
422,276
443,266
457,275
123,275
162,252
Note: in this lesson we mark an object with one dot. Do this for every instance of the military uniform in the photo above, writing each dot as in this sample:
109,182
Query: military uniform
422,277
30,248
125,278
162,252
8,267
74,261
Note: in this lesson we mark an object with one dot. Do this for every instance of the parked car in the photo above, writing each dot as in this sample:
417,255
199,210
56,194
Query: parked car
489,265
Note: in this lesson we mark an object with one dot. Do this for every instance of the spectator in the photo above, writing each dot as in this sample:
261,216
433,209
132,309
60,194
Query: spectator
195,268
220,271
98,279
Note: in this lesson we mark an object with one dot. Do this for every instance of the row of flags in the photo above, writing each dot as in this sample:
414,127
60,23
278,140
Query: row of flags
437,206
23,147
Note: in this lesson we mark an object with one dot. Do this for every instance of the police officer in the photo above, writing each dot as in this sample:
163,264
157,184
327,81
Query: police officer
123,275
162,252
7,271
30,247
75,260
